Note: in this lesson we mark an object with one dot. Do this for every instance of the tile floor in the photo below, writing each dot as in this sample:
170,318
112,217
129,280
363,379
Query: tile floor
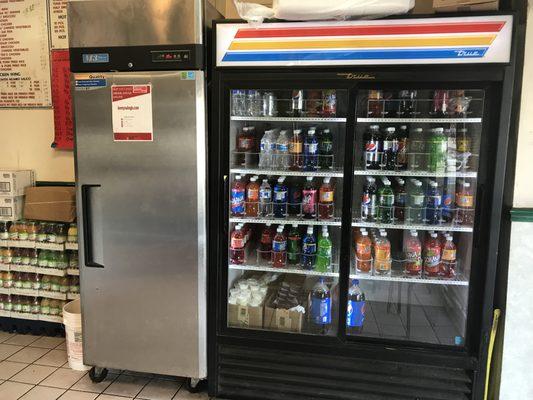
36,368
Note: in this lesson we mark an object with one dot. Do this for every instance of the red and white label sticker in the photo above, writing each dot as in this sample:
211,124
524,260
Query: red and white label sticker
132,113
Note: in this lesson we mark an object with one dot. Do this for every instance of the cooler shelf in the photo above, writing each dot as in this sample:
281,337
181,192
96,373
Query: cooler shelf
283,221
459,280
259,171
71,246
288,119
443,227
34,293
245,267
420,174
421,120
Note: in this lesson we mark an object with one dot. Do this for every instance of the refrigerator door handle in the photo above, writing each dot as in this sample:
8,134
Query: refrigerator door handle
87,226
480,211
226,197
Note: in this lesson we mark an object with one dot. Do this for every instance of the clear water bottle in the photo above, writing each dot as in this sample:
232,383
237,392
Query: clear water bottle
238,103
267,147
282,151
254,103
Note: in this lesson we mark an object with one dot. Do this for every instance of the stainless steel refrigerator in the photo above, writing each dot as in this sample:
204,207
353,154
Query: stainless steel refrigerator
139,98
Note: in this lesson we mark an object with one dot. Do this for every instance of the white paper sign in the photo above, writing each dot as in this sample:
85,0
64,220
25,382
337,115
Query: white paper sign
132,113
58,24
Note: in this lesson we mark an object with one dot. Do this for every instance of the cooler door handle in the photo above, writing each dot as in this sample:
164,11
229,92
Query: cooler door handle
87,226
480,198
226,209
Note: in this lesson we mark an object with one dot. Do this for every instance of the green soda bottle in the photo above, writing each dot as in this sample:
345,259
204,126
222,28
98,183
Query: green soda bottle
323,254
293,252
385,202
437,151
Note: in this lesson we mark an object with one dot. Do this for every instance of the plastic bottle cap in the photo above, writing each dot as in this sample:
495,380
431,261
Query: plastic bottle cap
237,177
265,180
356,282
326,130
281,179
296,131
434,235
403,127
414,234
400,181
391,129
418,183
309,230
309,178
295,225
374,127
311,132
238,228
325,234
327,179
384,234
439,130
370,179
253,178
269,224
364,233
433,184
466,184
418,129
449,238
280,229
386,182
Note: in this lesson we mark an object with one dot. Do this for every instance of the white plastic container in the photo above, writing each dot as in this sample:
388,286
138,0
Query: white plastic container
72,322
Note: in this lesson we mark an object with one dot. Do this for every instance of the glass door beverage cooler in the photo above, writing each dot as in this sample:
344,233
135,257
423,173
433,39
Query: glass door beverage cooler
354,207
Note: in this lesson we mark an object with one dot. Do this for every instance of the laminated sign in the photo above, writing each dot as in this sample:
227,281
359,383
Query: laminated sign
132,113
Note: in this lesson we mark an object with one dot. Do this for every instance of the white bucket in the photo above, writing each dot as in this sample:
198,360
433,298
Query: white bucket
72,322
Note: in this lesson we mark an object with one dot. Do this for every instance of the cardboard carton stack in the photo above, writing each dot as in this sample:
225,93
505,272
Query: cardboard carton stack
13,183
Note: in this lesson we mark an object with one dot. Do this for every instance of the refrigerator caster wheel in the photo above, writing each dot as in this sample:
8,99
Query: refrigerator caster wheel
97,374
194,385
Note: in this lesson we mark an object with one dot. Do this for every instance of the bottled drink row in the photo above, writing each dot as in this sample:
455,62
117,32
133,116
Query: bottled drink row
284,247
299,103
409,202
433,256
21,280
296,150
434,150
36,231
282,198
31,305
407,104
39,258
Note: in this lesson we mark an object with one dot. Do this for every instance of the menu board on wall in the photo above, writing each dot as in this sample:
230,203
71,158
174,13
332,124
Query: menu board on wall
64,133
24,54
58,24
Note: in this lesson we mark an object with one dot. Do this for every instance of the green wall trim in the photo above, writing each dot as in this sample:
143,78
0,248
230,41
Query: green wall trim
522,215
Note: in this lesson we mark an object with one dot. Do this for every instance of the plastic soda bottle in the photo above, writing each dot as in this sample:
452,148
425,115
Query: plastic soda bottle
363,253
415,203
465,205
403,137
412,249
325,150
238,191
296,150
282,151
449,258
252,197
279,249
265,198
237,246
400,200
355,315
323,256
432,254
369,200
295,199
433,204
308,249
372,147
245,145
437,149
390,149
281,198
321,306
294,245
382,255
311,151
309,199
416,157
385,202
326,196
265,247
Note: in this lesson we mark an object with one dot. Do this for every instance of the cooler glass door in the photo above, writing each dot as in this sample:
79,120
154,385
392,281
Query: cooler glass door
414,205
286,159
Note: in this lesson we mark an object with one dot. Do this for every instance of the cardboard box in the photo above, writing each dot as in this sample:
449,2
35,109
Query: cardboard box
245,316
423,7
229,11
279,319
13,182
465,5
51,203
11,208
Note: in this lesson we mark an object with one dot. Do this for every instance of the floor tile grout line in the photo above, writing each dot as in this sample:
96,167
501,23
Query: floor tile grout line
36,384
23,394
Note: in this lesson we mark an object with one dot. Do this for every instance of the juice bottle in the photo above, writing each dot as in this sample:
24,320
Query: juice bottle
279,249
363,253
449,258
237,246
294,245
432,253
266,243
238,191
326,206
252,197
296,149
382,255
413,254
323,256
465,205
309,199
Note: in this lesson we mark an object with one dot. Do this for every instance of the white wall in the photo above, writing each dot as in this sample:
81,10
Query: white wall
25,139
